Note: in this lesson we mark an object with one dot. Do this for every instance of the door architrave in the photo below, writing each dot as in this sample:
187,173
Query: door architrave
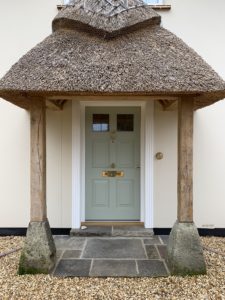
78,158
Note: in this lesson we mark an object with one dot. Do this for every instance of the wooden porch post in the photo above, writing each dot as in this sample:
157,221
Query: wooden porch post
39,252
185,160
38,211
185,254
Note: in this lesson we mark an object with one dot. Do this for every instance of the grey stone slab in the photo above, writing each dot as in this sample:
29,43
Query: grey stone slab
58,254
135,231
71,254
60,241
151,252
114,248
114,268
151,268
69,243
92,231
73,268
152,241
165,239
162,251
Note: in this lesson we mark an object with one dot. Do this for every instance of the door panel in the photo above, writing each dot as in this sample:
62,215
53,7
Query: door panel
125,187
125,154
100,190
112,160
100,152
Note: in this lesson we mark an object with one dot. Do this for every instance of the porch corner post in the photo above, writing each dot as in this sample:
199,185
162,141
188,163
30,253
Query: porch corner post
38,254
185,254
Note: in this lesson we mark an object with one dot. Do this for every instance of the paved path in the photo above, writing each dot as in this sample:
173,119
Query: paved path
111,256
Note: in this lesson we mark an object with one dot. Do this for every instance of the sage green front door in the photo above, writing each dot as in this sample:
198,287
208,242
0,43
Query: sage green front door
112,163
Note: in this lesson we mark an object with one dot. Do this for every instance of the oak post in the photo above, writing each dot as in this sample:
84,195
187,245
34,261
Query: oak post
184,250
185,160
38,211
39,253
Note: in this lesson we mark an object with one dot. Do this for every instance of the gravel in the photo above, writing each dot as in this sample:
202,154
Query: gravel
207,287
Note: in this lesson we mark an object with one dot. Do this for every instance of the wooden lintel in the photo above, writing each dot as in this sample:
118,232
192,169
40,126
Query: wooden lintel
161,7
155,7
185,159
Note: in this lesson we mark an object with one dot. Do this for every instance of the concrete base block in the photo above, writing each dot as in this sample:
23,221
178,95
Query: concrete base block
185,254
39,252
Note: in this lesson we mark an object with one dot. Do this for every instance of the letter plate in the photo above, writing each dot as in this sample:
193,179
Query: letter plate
112,173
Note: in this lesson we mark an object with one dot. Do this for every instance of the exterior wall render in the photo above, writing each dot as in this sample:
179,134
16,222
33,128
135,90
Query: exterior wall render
209,144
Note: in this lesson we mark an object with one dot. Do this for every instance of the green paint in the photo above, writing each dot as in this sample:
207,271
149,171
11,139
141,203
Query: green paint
112,198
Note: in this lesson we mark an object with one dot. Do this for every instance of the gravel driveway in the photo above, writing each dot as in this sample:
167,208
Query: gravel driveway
211,286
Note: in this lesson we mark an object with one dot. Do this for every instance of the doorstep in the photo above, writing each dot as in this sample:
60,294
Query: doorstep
111,256
112,231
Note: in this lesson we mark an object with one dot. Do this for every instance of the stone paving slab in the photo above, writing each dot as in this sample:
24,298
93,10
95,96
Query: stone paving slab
102,231
131,231
92,231
152,241
164,238
162,251
151,252
71,254
111,256
114,268
151,268
73,268
69,243
114,248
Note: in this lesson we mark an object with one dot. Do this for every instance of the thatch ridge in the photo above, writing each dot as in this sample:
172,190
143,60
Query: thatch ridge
106,26
106,7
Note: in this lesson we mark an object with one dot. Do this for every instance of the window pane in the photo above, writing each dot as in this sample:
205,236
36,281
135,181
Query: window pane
125,122
100,122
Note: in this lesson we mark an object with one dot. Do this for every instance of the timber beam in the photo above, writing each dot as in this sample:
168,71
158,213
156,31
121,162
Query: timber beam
185,254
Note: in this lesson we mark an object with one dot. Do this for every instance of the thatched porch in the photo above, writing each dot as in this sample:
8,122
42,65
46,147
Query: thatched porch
102,50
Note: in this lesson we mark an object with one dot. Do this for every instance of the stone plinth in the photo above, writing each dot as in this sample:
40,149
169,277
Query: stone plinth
39,252
185,254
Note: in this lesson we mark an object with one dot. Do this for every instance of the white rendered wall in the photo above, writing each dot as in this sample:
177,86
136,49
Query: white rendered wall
14,165
23,24
59,166
165,170
201,25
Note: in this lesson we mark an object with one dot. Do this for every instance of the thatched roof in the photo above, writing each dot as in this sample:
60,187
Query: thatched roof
111,47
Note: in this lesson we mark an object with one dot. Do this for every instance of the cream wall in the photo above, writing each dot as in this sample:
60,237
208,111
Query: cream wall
165,170
199,23
59,163
22,25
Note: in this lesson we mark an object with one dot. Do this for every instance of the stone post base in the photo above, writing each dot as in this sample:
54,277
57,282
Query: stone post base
39,252
185,254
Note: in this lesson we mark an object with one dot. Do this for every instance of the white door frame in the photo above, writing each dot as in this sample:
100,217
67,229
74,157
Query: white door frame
78,158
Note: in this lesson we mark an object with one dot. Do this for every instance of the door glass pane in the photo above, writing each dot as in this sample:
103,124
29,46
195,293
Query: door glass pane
100,122
125,122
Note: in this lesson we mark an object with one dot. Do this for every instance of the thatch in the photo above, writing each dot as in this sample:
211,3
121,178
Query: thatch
105,23
141,58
